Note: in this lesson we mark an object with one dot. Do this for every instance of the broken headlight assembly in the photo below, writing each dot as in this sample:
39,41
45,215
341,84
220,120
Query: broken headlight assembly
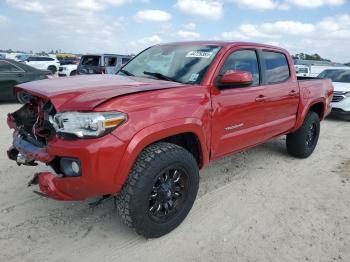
87,124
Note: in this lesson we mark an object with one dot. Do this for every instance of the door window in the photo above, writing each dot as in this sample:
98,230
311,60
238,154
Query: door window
276,67
243,60
90,61
110,61
6,67
125,60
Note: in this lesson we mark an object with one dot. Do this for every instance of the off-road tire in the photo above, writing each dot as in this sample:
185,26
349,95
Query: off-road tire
53,69
133,200
297,145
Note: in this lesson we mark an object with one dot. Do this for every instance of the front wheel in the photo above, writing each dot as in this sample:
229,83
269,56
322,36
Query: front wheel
303,142
23,97
53,69
160,191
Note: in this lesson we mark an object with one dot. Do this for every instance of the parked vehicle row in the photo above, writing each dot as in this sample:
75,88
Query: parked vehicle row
314,70
144,133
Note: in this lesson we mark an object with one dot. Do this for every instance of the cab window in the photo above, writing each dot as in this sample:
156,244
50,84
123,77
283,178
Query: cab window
243,60
276,67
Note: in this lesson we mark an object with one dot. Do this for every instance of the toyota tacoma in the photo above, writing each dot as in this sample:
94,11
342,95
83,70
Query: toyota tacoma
143,134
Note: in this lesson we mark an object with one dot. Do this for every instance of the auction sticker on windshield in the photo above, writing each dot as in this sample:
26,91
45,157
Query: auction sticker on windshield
199,54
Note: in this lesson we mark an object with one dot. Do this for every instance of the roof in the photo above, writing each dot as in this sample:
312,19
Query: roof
222,43
105,55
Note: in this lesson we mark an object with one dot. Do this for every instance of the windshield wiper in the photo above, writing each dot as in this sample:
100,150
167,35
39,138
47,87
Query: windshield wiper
126,72
159,76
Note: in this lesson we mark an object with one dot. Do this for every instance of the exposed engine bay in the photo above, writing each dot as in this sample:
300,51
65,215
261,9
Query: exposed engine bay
33,121
33,130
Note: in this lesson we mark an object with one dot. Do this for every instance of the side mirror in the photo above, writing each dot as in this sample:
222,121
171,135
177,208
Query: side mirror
235,78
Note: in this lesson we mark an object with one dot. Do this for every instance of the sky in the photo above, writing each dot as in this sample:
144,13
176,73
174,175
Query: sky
128,26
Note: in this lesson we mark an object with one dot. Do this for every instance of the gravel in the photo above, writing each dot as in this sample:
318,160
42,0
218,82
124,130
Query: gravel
258,205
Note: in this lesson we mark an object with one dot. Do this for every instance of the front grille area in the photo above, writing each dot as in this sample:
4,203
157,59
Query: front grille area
338,96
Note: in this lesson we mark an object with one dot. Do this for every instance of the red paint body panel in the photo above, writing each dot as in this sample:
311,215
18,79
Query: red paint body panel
223,121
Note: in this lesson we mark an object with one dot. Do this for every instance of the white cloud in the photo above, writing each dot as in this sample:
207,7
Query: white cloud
190,26
152,15
81,27
188,34
315,3
147,41
260,4
329,37
69,6
286,4
210,9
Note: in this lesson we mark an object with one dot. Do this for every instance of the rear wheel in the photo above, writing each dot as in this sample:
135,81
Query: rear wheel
303,142
160,190
23,97
53,69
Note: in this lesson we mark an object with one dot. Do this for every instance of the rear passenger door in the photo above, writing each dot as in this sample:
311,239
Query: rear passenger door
281,93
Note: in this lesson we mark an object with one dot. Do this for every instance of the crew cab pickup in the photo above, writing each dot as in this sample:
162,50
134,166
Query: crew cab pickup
143,134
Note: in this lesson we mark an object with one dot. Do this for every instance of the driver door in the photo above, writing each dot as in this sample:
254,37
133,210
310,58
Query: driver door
238,116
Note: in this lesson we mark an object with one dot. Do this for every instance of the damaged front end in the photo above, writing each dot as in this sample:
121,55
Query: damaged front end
78,146
33,131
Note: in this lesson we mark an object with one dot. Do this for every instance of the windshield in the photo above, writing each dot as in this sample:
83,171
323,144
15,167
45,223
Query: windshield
336,75
185,64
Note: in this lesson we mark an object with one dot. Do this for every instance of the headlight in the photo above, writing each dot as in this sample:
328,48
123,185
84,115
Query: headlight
92,124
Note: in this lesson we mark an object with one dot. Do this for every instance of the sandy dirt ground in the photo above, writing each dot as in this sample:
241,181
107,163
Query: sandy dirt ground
259,205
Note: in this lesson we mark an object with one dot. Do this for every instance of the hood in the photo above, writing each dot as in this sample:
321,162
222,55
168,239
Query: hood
341,87
86,92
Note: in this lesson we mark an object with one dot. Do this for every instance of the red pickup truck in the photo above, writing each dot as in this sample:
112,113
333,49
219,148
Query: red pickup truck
143,134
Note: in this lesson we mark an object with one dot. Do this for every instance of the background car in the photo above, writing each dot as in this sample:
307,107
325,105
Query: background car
43,63
67,70
13,73
101,64
341,97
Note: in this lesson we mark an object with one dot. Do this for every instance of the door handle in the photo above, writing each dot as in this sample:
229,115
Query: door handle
292,93
20,75
260,98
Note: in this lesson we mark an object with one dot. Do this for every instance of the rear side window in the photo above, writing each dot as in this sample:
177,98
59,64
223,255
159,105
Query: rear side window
243,60
90,60
110,61
276,66
125,60
45,59
6,67
32,58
